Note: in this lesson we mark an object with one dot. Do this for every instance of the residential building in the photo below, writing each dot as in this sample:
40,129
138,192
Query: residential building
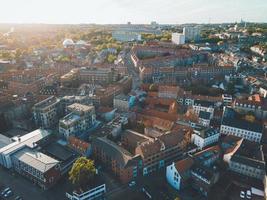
38,167
126,36
92,193
248,160
203,136
121,102
203,105
233,124
178,173
47,112
80,119
121,162
178,38
204,118
191,33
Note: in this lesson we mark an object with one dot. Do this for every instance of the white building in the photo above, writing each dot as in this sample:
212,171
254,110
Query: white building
201,105
93,193
227,99
203,136
29,140
191,33
80,119
178,173
178,38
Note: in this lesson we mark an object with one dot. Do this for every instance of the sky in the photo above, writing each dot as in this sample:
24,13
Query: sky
135,11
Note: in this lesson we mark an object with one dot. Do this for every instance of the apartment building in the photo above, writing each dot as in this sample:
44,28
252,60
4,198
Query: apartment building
80,118
204,136
232,124
47,112
203,105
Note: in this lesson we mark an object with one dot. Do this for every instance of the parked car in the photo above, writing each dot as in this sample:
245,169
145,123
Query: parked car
248,195
18,198
5,191
132,183
242,194
9,193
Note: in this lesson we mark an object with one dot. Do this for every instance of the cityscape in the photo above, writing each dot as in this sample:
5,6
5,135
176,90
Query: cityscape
113,104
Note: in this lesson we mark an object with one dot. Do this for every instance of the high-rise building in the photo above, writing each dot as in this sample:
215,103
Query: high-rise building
191,33
178,38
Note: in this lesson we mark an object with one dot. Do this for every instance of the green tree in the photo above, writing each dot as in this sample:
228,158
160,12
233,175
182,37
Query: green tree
111,58
82,171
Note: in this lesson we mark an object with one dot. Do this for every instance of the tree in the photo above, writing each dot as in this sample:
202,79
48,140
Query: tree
111,58
82,171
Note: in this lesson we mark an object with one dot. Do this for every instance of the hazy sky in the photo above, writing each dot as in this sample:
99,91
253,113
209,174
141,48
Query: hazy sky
136,11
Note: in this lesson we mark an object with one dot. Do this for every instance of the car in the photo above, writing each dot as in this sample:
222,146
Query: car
5,191
9,193
248,195
242,194
18,198
132,183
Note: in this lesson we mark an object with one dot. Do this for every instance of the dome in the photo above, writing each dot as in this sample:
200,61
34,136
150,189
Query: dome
68,42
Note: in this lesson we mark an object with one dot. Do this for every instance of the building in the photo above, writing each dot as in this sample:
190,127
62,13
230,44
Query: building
203,136
80,118
248,160
80,146
168,91
43,170
122,163
204,118
203,105
191,33
47,112
227,99
178,173
178,38
30,140
92,193
126,36
157,152
233,124
121,103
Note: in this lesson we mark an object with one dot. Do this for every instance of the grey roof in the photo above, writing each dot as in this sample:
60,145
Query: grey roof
204,115
205,132
4,140
231,119
203,103
35,159
28,140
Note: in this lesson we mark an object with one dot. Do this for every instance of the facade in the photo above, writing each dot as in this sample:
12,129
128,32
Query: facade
178,173
191,33
121,103
248,160
38,167
122,163
232,125
80,118
178,38
47,112
30,140
203,136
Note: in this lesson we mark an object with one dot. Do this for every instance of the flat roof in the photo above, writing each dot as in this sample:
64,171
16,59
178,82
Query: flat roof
4,140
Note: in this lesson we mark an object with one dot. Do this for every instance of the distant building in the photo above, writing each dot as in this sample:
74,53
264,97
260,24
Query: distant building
47,112
191,33
126,36
178,38
203,136
80,119
121,102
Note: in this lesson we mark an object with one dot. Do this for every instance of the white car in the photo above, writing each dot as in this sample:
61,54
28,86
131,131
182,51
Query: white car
132,183
242,194
248,194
